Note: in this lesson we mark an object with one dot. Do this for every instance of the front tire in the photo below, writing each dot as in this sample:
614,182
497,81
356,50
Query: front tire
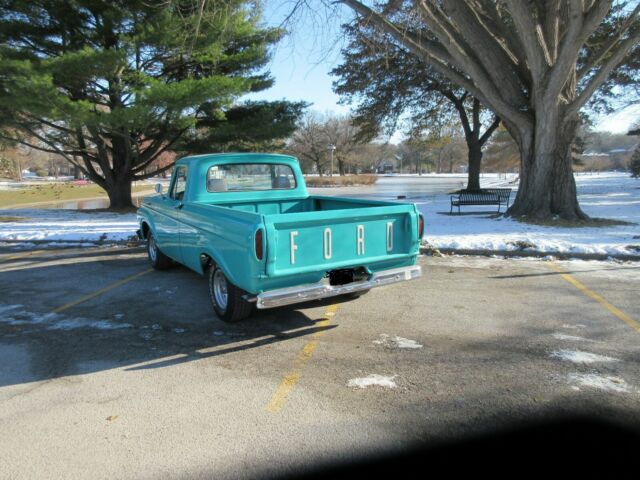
227,298
158,260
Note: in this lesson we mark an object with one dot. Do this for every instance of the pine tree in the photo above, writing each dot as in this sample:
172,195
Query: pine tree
110,86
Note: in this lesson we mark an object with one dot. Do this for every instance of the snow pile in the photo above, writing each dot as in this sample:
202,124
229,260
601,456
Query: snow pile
396,342
67,226
16,315
373,380
577,356
608,195
608,383
571,338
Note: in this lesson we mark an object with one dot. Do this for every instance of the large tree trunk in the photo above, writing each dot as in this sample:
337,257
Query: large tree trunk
120,194
475,160
547,186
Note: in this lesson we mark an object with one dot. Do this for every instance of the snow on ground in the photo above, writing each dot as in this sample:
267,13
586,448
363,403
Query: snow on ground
67,226
17,315
577,356
373,380
593,380
608,195
396,342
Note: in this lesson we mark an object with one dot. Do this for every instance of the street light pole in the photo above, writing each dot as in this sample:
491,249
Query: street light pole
331,147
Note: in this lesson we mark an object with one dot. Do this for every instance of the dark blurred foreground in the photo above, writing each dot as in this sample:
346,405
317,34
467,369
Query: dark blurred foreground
545,450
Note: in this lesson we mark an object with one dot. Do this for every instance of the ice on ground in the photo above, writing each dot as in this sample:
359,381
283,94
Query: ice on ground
608,383
6,308
576,326
396,342
74,323
16,315
373,380
571,338
577,356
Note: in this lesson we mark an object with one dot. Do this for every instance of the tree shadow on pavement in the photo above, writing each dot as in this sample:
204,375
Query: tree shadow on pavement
157,320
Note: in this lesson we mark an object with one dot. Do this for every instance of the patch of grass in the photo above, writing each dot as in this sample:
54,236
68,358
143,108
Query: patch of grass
341,181
428,249
109,210
56,192
522,244
11,219
588,223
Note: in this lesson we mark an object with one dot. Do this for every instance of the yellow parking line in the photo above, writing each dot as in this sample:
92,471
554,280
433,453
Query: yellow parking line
66,306
598,298
291,379
21,255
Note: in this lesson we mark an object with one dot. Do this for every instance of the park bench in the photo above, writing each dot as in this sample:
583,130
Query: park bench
485,196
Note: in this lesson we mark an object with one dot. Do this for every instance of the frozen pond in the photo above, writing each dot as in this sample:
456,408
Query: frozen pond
413,188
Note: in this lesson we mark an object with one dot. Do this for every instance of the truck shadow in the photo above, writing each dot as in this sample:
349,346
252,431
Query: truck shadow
159,320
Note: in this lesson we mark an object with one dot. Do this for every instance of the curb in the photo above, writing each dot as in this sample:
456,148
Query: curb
74,243
534,254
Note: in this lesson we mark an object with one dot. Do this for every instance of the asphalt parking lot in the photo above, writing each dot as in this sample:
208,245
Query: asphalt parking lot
108,369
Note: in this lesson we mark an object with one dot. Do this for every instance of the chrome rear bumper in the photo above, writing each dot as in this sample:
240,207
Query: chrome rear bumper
316,291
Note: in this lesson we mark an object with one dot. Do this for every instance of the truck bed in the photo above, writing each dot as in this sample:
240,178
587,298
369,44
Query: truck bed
308,204
316,234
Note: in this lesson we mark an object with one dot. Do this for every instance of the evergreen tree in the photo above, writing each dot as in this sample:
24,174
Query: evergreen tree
111,85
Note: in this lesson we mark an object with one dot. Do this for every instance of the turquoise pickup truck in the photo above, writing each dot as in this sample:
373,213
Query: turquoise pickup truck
247,222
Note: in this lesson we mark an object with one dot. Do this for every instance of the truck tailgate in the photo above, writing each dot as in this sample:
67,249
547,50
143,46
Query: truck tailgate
331,239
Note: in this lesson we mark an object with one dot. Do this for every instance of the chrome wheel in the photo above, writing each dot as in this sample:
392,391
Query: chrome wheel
153,249
220,289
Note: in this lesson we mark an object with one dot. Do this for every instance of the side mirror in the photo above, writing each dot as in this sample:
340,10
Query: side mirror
159,188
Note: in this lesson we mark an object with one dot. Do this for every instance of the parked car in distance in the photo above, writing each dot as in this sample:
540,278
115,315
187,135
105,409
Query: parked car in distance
247,222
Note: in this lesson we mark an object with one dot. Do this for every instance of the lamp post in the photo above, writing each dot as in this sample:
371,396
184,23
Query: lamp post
331,147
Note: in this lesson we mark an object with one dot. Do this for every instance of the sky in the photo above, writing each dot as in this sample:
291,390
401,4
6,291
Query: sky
302,62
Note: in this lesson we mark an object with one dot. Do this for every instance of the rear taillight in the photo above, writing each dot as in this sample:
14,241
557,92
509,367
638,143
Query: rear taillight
420,226
259,251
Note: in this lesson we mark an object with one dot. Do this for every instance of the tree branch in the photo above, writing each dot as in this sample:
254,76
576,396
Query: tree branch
602,74
485,91
598,57
580,27
526,31
489,131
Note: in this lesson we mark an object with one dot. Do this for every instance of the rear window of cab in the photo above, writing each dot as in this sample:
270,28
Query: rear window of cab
249,177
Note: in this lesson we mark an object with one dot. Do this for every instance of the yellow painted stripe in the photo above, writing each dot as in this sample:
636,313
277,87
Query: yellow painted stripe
21,255
598,298
290,380
106,289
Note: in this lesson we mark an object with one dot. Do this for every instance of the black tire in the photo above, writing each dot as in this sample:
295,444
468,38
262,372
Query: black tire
236,307
158,260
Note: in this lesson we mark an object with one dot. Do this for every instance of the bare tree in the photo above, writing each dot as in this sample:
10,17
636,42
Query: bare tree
343,134
534,63
309,144
316,132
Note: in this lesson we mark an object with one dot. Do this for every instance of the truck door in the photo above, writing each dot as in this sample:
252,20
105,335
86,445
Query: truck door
168,221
